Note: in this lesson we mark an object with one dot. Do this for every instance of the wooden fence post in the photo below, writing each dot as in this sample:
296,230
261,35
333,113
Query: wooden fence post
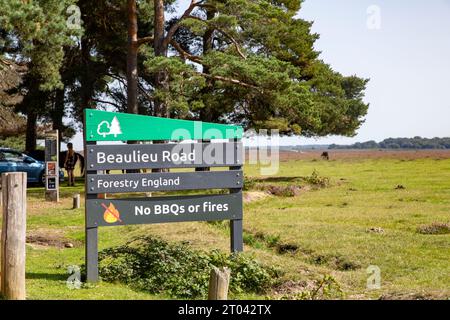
14,189
218,284
76,201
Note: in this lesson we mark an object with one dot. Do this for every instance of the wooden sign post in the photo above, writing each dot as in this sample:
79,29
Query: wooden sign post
108,126
51,166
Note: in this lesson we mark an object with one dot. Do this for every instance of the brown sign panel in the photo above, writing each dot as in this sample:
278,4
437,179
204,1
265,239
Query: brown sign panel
148,156
117,212
163,181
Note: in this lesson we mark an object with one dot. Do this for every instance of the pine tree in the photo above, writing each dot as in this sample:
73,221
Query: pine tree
253,63
240,61
39,31
34,33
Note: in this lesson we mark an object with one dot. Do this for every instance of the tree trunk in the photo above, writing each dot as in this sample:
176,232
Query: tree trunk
132,55
58,114
30,143
161,77
87,85
208,36
132,68
206,113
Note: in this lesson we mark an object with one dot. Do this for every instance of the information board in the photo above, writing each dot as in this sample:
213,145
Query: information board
132,166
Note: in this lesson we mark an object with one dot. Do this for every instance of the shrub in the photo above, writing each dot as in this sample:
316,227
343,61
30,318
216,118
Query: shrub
15,142
156,266
434,228
318,181
249,183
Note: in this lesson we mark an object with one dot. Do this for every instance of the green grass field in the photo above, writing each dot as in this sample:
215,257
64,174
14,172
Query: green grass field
363,218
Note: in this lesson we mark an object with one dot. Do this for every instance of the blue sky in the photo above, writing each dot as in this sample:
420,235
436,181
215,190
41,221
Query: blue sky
407,60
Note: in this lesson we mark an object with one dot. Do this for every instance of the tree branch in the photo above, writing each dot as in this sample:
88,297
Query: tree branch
226,34
144,40
142,90
230,80
184,54
118,78
176,26
236,44
108,102
187,55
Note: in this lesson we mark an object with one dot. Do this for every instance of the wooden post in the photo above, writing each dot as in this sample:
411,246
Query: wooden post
14,189
218,284
236,226
91,234
76,201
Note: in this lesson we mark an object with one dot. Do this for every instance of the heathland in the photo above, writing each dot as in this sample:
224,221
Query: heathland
320,224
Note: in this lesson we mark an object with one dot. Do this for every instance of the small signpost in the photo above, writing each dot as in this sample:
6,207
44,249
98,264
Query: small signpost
108,126
51,166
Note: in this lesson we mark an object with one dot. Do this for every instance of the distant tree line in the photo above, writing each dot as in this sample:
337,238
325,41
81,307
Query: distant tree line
399,143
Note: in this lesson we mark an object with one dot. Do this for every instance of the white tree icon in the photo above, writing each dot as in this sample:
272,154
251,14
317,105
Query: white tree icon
105,128
115,127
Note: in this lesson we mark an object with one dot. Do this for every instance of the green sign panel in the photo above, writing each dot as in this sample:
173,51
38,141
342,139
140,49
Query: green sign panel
112,126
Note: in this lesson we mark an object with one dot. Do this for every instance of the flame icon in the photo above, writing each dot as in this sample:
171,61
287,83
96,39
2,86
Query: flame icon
111,214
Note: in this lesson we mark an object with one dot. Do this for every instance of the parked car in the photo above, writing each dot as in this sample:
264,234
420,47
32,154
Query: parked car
15,161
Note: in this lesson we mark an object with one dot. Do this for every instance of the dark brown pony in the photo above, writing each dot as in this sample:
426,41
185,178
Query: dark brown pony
40,156
78,156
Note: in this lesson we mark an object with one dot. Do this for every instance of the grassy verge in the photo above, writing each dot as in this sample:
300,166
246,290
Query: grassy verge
370,214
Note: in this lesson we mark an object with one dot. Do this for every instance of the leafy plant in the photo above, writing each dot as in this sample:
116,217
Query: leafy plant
249,183
15,142
316,180
156,266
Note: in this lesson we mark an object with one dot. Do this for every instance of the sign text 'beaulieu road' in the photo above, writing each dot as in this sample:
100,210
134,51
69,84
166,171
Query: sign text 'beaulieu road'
146,156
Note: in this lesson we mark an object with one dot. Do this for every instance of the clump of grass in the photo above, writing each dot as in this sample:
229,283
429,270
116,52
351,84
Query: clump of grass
283,191
220,224
317,181
249,183
283,248
434,228
326,288
251,240
336,262
272,240
156,266
260,240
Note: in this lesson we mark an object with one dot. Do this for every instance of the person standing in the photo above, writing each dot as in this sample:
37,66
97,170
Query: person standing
69,164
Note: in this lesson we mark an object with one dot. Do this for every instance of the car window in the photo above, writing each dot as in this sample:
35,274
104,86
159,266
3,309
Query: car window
11,156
